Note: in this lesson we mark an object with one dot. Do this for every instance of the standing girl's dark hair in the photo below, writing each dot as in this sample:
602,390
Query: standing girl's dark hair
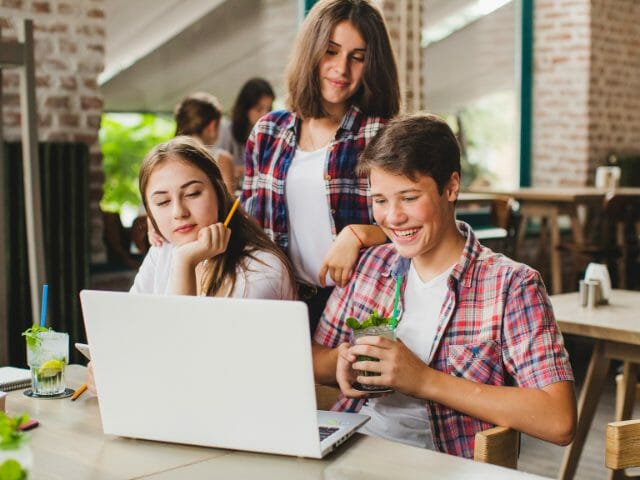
249,96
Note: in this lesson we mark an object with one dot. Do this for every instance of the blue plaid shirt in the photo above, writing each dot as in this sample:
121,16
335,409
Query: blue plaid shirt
269,152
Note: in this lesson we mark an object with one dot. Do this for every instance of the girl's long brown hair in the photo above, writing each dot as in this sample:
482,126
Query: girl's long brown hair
247,237
379,93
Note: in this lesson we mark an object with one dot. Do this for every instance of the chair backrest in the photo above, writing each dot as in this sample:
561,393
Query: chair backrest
622,208
498,446
623,445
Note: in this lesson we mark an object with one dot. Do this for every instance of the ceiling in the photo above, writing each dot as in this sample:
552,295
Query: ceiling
158,52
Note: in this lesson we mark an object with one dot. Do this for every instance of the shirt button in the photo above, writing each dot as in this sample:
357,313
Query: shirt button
333,211
327,177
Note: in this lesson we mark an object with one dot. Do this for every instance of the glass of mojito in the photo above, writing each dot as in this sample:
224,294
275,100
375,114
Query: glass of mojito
374,325
47,356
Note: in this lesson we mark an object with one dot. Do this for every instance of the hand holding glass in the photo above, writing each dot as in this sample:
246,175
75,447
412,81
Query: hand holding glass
382,330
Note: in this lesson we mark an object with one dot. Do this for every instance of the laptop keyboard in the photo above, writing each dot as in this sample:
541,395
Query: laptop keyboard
326,431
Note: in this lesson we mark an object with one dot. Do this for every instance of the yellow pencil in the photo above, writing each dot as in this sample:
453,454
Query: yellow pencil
231,212
78,392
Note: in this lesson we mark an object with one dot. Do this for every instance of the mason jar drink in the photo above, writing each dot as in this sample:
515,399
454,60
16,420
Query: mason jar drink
385,331
47,357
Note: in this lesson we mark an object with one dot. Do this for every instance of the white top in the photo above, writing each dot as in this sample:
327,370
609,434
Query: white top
227,142
268,280
399,417
309,214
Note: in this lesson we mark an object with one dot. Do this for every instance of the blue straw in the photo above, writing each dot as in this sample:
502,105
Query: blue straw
43,311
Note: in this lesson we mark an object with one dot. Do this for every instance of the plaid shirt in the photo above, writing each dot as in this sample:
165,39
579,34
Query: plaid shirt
270,150
496,327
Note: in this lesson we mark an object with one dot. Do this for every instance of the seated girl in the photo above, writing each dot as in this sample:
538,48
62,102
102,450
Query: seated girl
186,200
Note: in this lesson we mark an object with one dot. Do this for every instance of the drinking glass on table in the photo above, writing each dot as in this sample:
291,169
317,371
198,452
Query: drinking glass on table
47,358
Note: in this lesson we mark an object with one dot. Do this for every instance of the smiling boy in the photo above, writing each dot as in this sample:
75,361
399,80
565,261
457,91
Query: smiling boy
477,340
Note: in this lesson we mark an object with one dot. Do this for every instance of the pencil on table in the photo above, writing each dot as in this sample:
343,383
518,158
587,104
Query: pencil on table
78,392
231,212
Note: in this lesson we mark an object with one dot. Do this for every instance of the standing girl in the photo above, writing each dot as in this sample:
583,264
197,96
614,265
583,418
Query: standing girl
300,182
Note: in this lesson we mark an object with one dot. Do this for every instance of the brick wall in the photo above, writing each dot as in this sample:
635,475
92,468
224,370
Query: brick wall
586,84
69,38
614,100
561,92
404,22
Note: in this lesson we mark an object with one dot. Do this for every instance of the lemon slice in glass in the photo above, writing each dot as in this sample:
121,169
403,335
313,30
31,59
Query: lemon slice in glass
50,368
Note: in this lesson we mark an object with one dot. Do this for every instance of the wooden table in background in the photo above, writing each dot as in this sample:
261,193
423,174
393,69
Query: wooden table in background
69,444
548,204
616,331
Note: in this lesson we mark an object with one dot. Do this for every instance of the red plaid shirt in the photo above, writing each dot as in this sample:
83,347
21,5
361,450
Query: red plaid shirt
496,327
270,150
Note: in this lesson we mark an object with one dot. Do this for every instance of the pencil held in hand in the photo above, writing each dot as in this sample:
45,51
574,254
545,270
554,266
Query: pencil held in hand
231,212
78,392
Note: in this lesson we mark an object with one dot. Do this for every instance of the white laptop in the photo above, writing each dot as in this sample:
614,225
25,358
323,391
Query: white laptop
218,372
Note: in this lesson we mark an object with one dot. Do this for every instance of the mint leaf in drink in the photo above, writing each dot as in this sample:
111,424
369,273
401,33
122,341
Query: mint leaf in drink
353,323
374,320
31,334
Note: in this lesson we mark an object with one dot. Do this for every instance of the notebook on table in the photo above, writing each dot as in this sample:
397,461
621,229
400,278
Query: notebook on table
12,378
219,372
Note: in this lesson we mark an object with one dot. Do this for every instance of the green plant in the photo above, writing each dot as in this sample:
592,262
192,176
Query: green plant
12,438
125,140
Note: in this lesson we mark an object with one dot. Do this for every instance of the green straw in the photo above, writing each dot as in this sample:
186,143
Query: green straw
396,303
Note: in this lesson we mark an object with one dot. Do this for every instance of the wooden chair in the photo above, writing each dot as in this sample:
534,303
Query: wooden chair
617,244
498,445
622,448
500,232
627,391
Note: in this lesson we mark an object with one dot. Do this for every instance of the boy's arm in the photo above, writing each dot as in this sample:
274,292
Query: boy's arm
542,405
324,363
342,257
548,413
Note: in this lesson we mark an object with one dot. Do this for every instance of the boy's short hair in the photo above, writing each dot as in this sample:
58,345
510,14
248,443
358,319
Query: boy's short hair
419,143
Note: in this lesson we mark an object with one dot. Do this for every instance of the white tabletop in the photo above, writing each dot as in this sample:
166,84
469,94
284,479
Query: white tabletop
69,444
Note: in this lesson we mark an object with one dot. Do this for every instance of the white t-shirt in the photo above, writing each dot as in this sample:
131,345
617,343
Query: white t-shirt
309,215
267,280
399,417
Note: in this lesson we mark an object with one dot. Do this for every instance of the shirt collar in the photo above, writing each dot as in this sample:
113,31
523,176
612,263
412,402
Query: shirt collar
350,121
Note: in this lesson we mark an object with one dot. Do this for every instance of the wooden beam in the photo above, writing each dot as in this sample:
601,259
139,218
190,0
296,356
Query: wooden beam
31,170
4,310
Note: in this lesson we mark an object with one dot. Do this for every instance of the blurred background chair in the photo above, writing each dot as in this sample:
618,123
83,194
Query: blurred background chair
119,239
494,220
617,245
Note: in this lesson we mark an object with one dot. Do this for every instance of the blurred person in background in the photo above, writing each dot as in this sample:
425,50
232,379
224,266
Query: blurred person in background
254,101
